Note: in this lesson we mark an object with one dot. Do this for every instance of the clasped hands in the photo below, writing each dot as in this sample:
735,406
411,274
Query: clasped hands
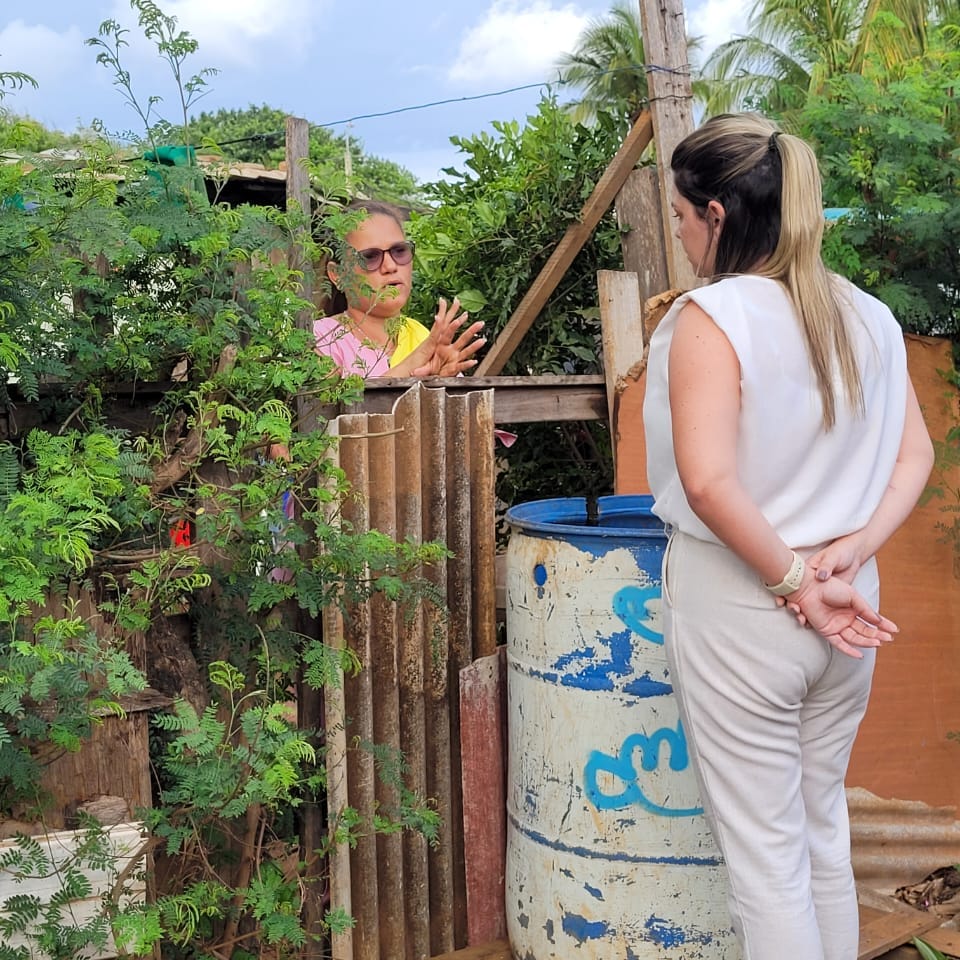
448,351
828,602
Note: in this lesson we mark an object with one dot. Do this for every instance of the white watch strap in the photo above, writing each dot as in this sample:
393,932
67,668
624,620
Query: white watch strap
791,580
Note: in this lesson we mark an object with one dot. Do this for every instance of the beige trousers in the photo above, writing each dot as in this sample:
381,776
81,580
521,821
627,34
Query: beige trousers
770,712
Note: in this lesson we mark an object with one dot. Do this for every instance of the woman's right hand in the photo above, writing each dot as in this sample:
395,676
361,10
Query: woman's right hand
838,612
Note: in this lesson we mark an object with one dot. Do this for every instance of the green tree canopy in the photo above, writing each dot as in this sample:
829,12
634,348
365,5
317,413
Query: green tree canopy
23,134
793,48
256,135
889,142
609,64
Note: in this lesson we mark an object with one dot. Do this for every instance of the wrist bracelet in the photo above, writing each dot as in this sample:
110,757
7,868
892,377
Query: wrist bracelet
791,580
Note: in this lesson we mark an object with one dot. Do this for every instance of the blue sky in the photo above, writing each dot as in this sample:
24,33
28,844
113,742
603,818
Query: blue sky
325,60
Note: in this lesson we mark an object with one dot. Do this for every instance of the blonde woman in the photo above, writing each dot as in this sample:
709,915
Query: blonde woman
785,445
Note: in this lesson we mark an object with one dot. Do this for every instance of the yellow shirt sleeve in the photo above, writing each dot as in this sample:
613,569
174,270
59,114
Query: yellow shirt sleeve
410,335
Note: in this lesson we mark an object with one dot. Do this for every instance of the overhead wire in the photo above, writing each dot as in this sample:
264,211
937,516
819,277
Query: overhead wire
648,68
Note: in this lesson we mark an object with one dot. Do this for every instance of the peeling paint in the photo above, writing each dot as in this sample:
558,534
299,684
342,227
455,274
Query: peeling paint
582,929
593,891
670,935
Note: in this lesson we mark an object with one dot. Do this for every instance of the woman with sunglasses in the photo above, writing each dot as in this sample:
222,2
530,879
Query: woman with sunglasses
368,333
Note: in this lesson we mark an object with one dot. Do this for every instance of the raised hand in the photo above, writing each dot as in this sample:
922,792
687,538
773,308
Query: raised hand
449,350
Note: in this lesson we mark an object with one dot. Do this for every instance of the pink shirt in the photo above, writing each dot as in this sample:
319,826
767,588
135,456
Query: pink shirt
353,355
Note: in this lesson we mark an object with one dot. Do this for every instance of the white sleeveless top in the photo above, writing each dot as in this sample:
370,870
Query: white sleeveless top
811,485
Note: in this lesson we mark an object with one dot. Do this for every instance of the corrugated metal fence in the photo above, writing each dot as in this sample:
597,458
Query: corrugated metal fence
423,472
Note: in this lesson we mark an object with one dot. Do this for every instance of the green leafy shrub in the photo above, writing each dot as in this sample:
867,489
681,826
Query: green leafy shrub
117,272
496,221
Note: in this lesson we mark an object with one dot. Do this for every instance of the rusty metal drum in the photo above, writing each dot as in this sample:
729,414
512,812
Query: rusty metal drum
609,856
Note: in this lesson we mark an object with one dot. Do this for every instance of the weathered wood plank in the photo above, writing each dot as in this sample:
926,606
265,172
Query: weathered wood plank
621,329
298,195
889,931
886,923
483,749
335,737
569,246
459,625
943,939
436,658
518,399
410,666
358,691
499,950
640,221
483,523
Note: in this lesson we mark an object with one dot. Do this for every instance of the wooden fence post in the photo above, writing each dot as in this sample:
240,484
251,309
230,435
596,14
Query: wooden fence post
621,327
298,194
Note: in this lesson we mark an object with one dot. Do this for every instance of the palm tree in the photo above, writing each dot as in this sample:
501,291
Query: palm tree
794,46
609,64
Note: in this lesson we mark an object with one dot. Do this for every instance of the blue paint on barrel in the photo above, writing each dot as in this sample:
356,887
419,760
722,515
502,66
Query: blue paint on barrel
668,935
607,849
581,929
620,857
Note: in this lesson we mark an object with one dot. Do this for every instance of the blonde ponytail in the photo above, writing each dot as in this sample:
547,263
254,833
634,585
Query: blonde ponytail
796,262
769,185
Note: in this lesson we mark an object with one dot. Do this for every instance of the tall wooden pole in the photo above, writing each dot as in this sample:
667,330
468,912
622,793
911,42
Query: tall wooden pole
298,195
671,106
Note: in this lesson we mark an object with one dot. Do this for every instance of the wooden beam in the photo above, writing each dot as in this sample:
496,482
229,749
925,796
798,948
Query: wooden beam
517,399
483,742
569,246
891,930
943,939
297,150
671,106
886,923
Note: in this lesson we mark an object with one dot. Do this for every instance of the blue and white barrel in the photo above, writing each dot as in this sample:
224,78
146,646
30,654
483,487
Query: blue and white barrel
609,856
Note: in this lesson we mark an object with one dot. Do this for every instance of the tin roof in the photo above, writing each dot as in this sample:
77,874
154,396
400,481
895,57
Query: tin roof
898,842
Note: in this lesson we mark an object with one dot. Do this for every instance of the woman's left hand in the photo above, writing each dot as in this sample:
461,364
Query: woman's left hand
841,559
452,348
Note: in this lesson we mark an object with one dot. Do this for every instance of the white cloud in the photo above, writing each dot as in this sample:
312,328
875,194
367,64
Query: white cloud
232,31
716,21
56,60
43,53
517,41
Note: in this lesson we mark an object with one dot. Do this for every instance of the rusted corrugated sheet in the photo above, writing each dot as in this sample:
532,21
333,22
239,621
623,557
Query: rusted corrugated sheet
423,472
896,842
